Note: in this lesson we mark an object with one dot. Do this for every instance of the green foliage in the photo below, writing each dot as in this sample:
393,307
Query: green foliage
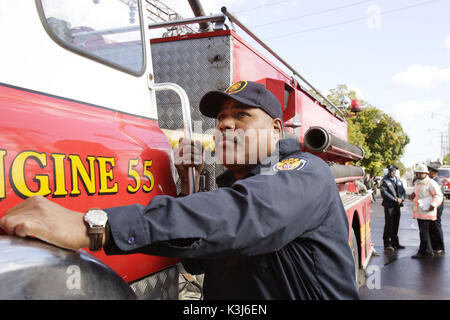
381,137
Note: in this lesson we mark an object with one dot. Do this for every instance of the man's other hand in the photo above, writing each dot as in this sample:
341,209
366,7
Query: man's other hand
188,154
43,219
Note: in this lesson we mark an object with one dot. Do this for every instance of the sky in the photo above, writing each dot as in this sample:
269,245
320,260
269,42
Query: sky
394,54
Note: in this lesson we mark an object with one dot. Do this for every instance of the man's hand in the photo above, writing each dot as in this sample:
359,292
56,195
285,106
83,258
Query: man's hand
188,154
43,219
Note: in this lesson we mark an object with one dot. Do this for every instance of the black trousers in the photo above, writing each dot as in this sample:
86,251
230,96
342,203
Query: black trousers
436,234
425,239
391,223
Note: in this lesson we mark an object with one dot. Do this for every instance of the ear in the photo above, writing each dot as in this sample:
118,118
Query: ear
277,125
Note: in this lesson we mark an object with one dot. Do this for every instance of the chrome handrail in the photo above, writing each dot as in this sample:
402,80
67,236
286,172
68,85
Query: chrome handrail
172,23
186,111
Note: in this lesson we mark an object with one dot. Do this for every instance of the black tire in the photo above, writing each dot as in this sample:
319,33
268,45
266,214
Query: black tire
355,253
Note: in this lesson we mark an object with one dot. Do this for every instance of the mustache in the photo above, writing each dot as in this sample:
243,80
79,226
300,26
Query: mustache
228,136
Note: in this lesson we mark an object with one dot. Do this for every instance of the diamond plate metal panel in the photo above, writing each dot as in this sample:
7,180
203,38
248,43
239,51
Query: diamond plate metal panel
199,66
159,286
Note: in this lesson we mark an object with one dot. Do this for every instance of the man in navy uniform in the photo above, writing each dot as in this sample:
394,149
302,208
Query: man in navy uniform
436,233
275,229
393,194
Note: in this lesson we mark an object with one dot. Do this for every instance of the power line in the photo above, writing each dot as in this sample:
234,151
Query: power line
312,14
352,20
261,6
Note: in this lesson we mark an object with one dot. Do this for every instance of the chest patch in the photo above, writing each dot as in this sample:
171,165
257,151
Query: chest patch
291,164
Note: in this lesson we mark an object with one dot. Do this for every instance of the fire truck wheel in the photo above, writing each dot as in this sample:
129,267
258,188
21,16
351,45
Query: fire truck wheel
355,254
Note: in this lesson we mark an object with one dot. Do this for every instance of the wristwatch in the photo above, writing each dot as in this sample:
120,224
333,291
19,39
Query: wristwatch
96,220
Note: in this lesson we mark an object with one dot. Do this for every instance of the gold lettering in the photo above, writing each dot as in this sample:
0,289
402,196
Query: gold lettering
132,173
27,180
79,171
149,175
18,180
2,174
106,175
59,175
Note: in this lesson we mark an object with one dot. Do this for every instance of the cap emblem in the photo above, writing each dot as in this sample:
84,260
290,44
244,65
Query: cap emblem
236,87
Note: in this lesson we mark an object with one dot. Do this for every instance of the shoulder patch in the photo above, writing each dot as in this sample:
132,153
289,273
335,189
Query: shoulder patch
291,164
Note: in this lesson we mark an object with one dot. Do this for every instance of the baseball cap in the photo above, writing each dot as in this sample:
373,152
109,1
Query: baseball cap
391,167
249,93
433,168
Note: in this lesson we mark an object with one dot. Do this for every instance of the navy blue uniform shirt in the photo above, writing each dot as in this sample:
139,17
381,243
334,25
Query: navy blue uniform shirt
391,188
279,233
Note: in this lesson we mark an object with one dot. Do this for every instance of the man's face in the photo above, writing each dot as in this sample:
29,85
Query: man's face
244,135
421,175
432,174
391,173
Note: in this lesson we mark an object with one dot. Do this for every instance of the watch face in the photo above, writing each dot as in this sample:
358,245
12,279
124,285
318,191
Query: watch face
96,218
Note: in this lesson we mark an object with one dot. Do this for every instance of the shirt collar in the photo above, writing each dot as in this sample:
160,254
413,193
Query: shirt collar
388,176
285,147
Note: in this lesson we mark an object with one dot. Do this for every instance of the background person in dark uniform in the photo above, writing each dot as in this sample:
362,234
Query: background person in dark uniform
393,194
436,234
368,182
275,229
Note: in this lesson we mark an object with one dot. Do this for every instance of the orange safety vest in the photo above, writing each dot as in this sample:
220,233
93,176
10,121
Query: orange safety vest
427,192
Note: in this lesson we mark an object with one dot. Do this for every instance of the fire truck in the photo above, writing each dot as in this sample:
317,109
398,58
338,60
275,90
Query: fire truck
91,108
444,176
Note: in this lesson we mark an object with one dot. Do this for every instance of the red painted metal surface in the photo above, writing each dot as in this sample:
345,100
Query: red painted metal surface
249,64
46,141
361,212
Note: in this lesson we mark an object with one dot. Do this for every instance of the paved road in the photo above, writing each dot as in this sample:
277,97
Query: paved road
395,275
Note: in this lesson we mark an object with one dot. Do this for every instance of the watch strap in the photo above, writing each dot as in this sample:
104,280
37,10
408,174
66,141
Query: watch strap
96,236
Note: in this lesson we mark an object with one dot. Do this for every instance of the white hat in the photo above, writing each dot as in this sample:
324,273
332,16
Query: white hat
421,168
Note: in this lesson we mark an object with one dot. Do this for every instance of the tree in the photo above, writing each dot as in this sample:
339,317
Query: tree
381,137
445,161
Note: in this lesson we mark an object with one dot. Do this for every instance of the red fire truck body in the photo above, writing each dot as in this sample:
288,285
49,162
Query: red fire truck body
48,147
85,128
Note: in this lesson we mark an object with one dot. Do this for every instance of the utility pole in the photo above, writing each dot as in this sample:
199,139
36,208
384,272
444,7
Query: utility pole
443,152
447,151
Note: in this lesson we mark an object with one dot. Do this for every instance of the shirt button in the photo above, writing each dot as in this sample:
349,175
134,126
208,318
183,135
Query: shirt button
130,240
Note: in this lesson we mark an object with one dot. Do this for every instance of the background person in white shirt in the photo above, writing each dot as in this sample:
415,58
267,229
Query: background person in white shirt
427,196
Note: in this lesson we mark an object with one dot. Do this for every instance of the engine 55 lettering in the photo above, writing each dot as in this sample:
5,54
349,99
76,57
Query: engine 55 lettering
31,173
